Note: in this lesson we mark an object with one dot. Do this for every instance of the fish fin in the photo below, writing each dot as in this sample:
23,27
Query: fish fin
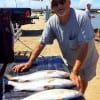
48,87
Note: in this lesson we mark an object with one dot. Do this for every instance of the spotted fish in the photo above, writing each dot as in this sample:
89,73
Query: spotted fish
42,84
56,94
40,74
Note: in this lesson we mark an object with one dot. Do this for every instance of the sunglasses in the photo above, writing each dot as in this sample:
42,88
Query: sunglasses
56,3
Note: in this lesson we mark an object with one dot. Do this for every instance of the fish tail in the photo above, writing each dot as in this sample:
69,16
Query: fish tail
7,76
10,77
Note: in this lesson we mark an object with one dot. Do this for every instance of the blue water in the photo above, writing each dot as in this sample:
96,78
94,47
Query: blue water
96,21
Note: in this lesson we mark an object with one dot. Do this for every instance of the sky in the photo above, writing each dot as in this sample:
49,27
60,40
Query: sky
38,4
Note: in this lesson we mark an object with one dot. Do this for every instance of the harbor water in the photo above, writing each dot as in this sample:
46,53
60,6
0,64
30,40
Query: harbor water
96,21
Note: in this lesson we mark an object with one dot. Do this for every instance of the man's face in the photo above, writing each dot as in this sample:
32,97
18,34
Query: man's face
89,6
60,7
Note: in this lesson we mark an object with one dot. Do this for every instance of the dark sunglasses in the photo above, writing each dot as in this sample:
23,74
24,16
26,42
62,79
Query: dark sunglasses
56,3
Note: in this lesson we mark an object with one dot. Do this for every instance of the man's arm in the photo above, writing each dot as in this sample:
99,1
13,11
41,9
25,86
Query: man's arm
92,16
80,58
36,51
79,61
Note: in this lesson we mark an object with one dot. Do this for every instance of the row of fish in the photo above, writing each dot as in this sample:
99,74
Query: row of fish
56,84
40,80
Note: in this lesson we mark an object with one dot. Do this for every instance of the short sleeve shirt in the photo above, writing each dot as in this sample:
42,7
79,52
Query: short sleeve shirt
75,32
88,12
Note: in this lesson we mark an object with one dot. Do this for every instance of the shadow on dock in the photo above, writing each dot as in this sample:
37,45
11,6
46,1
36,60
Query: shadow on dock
31,33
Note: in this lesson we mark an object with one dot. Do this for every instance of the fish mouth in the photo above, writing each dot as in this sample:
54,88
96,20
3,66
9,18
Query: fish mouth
6,86
48,87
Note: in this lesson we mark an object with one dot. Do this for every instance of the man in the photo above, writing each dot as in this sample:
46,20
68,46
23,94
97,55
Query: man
88,8
73,31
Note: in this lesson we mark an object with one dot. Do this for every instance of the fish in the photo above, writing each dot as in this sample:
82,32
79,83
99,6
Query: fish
42,84
38,75
56,94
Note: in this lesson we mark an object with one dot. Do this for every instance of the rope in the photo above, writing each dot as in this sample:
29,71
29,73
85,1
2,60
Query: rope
27,46
24,44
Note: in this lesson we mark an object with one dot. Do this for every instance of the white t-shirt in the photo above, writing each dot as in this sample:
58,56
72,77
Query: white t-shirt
75,32
88,13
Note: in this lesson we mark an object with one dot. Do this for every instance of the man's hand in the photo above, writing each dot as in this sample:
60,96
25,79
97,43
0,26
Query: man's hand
74,77
20,67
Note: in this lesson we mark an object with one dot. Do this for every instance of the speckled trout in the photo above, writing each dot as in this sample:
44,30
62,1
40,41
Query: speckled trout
42,84
56,94
40,74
